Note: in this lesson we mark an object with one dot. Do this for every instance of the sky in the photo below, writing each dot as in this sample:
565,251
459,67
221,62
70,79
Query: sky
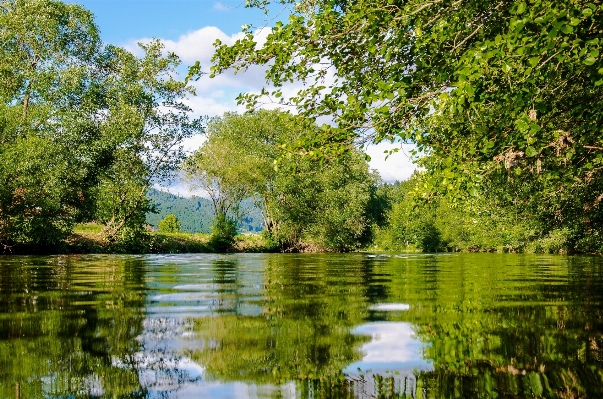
189,28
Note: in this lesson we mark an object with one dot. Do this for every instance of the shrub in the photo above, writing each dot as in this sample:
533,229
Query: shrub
223,233
169,224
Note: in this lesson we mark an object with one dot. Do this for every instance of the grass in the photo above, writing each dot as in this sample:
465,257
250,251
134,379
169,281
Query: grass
88,238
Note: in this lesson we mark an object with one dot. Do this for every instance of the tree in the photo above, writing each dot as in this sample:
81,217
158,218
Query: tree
326,206
238,159
169,224
303,203
51,144
507,93
85,128
218,169
150,122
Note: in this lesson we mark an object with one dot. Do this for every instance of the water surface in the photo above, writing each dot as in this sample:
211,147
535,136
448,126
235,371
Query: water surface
301,326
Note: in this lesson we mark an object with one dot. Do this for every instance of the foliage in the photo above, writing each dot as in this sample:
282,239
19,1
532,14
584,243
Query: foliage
50,142
505,97
439,223
223,232
151,121
327,205
84,128
169,224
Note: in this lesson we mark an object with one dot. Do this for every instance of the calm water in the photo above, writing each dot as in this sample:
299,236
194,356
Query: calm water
301,326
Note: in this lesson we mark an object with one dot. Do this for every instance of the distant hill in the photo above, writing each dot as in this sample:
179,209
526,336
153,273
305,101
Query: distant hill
196,213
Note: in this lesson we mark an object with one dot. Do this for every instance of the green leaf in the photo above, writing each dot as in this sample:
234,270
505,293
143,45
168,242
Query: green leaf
567,29
521,8
590,61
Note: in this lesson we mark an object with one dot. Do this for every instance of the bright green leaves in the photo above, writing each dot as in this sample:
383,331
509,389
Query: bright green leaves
107,123
590,61
534,61
531,151
521,8
514,79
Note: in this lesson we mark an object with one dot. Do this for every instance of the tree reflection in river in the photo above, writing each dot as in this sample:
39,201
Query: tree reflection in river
303,326
301,329
505,326
63,321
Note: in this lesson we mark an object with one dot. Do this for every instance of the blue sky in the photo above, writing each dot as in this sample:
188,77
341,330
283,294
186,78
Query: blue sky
125,20
189,28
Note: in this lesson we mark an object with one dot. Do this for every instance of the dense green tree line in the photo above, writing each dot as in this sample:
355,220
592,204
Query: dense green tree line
85,128
503,97
477,223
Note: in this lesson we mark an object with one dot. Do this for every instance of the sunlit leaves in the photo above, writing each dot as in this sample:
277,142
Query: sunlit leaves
497,63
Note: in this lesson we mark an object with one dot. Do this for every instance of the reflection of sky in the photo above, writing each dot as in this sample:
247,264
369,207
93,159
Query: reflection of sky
393,347
234,390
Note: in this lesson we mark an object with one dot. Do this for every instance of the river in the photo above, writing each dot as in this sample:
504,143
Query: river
301,326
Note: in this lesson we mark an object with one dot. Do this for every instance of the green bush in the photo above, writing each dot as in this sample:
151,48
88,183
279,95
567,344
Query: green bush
169,224
223,233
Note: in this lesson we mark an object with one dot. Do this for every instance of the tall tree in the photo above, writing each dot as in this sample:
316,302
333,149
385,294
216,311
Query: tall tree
303,202
51,144
149,122
238,159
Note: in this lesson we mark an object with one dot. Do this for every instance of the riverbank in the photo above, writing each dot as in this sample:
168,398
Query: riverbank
88,239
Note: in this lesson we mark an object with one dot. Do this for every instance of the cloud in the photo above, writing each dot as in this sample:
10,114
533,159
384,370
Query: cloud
397,166
392,342
219,6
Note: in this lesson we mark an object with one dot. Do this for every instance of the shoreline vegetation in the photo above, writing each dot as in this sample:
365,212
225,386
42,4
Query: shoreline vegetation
506,122
87,238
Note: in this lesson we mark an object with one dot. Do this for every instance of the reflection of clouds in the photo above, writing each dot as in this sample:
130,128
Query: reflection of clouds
236,390
162,372
165,375
393,346
394,353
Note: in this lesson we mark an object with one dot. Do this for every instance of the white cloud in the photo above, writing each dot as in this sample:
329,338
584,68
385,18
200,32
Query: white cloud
397,166
219,6
392,342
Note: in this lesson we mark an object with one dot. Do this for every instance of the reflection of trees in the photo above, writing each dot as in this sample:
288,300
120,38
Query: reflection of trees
65,322
68,325
496,327
303,331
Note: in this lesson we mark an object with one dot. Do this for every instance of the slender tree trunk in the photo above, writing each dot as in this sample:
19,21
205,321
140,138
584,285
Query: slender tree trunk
26,100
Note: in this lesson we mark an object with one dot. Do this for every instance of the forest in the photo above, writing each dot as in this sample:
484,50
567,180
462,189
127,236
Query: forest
503,101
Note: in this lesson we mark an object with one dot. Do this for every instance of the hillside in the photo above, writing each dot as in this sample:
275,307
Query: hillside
196,213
